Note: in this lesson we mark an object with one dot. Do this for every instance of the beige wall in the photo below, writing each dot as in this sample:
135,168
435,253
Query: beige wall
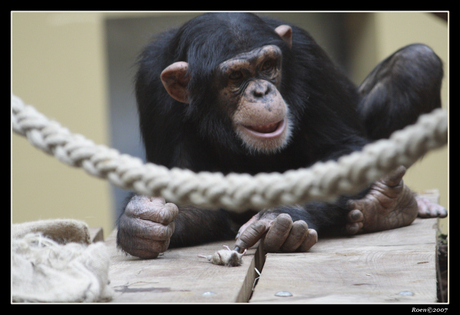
58,65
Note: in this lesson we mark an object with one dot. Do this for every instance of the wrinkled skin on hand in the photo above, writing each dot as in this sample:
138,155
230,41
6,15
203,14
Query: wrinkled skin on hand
281,234
389,204
146,226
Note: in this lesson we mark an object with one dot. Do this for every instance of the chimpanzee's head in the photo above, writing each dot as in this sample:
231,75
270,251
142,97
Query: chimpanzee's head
230,75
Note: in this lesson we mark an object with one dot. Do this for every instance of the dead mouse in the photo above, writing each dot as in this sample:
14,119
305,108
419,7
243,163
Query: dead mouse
227,257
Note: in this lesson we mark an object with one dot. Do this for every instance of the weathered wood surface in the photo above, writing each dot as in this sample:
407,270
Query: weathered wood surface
396,266
380,267
179,276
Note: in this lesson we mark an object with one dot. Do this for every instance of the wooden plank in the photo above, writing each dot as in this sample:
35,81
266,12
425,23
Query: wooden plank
395,266
179,276
96,234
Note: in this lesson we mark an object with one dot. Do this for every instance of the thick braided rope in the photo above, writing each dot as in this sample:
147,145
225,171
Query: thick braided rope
237,192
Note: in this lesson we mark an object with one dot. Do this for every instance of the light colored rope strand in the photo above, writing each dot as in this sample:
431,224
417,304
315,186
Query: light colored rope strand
237,192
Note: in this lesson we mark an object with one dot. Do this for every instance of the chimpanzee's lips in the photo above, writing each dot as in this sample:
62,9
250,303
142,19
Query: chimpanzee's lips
265,128
271,130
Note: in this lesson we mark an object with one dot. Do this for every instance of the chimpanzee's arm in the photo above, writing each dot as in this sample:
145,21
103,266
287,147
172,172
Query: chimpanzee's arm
400,89
195,226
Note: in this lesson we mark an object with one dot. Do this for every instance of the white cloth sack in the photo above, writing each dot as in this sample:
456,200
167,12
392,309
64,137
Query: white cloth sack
52,261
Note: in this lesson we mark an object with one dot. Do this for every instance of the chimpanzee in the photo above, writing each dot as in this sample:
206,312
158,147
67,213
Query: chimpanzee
235,92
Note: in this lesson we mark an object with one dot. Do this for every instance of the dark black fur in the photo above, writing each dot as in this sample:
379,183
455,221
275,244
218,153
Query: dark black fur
199,135
410,85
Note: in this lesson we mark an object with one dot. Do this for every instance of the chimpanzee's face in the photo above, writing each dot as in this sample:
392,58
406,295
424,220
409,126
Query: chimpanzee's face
250,92
247,90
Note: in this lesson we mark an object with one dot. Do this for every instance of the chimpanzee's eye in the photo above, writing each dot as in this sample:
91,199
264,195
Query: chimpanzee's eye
268,65
235,75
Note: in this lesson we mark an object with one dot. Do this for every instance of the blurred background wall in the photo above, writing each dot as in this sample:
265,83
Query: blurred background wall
78,67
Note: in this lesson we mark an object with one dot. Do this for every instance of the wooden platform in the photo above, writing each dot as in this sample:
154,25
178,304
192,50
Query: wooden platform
396,266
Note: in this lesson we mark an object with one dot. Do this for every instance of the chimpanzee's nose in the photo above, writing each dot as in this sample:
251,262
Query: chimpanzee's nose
261,89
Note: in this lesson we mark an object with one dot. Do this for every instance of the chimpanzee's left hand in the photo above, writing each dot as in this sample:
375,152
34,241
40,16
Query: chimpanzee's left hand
282,235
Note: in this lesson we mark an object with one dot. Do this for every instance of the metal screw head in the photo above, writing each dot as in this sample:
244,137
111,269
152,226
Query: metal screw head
283,293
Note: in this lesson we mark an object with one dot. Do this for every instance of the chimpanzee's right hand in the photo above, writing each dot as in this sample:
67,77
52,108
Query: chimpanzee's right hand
279,232
146,226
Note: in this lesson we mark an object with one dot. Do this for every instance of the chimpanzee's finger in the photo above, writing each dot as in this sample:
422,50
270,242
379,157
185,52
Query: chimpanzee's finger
143,238
278,232
394,177
308,243
152,209
153,231
245,226
298,234
252,234
355,216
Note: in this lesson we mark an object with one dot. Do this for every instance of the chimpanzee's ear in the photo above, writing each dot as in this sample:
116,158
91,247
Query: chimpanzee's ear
285,32
175,81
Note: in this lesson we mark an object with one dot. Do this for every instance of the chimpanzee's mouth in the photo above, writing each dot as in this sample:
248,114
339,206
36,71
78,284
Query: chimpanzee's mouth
268,131
267,138
270,128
